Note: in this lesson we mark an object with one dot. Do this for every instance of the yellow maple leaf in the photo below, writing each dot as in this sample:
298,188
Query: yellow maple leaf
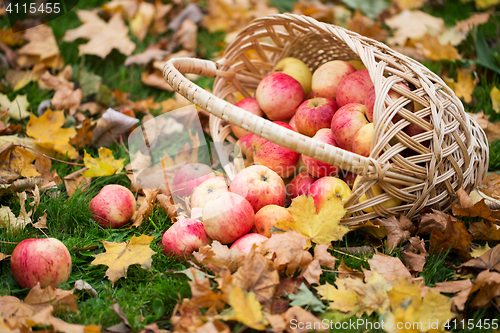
120,255
464,86
48,132
246,309
340,298
320,228
404,291
15,161
480,251
434,50
483,4
104,165
495,99
17,107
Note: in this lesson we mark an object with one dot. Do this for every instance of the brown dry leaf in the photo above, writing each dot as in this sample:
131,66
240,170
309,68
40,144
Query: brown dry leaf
322,257
257,275
42,222
65,97
143,106
110,127
466,207
48,131
492,129
18,79
186,317
154,78
462,288
45,317
167,204
146,207
412,25
142,20
289,251
488,261
389,267
365,26
150,54
75,181
83,135
428,222
473,20
3,256
49,178
15,162
433,49
14,310
41,49
488,285
218,257
491,186
103,36
345,271
40,298
372,292
455,236
92,107
298,315
120,255
398,231
415,262
160,21
203,295
485,230
177,102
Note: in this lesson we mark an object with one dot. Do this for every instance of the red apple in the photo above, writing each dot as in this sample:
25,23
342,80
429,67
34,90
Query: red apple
259,185
246,242
228,217
362,141
326,79
278,95
188,177
315,167
243,152
292,124
314,114
326,188
208,190
277,158
354,88
346,123
251,105
268,216
370,102
183,238
113,207
44,260
299,185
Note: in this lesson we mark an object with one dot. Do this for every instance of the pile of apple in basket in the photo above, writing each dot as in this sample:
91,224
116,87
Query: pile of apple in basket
333,105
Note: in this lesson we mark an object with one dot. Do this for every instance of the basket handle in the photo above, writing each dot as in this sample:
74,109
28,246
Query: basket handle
369,168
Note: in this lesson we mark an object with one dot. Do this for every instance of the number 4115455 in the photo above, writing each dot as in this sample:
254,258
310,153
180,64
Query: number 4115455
471,324
49,8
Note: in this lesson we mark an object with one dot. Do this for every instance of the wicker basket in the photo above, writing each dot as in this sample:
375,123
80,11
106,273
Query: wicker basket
456,157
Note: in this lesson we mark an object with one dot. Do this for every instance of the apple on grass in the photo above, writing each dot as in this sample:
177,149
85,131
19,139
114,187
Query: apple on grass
299,185
251,105
183,238
298,70
279,95
188,177
346,122
315,167
228,217
208,190
267,217
354,88
314,114
277,158
326,79
377,190
327,188
243,152
113,207
246,242
259,185
40,260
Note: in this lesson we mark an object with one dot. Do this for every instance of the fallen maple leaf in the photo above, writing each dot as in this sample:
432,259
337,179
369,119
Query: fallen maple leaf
40,298
289,249
42,49
341,298
104,165
49,178
142,20
414,255
14,162
412,25
390,268
119,256
428,222
479,251
466,207
488,261
320,228
110,127
455,236
464,86
492,130
372,292
17,109
103,36
322,257
485,230
18,79
146,207
487,285
9,220
75,181
434,50
45,317
461,288
65,97
203,295
48,132
3,256
83,135
218,257
296,314
398,231
365,26
245,309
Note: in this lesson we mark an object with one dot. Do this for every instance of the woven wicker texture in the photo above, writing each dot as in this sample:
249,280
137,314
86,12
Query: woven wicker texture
451,153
